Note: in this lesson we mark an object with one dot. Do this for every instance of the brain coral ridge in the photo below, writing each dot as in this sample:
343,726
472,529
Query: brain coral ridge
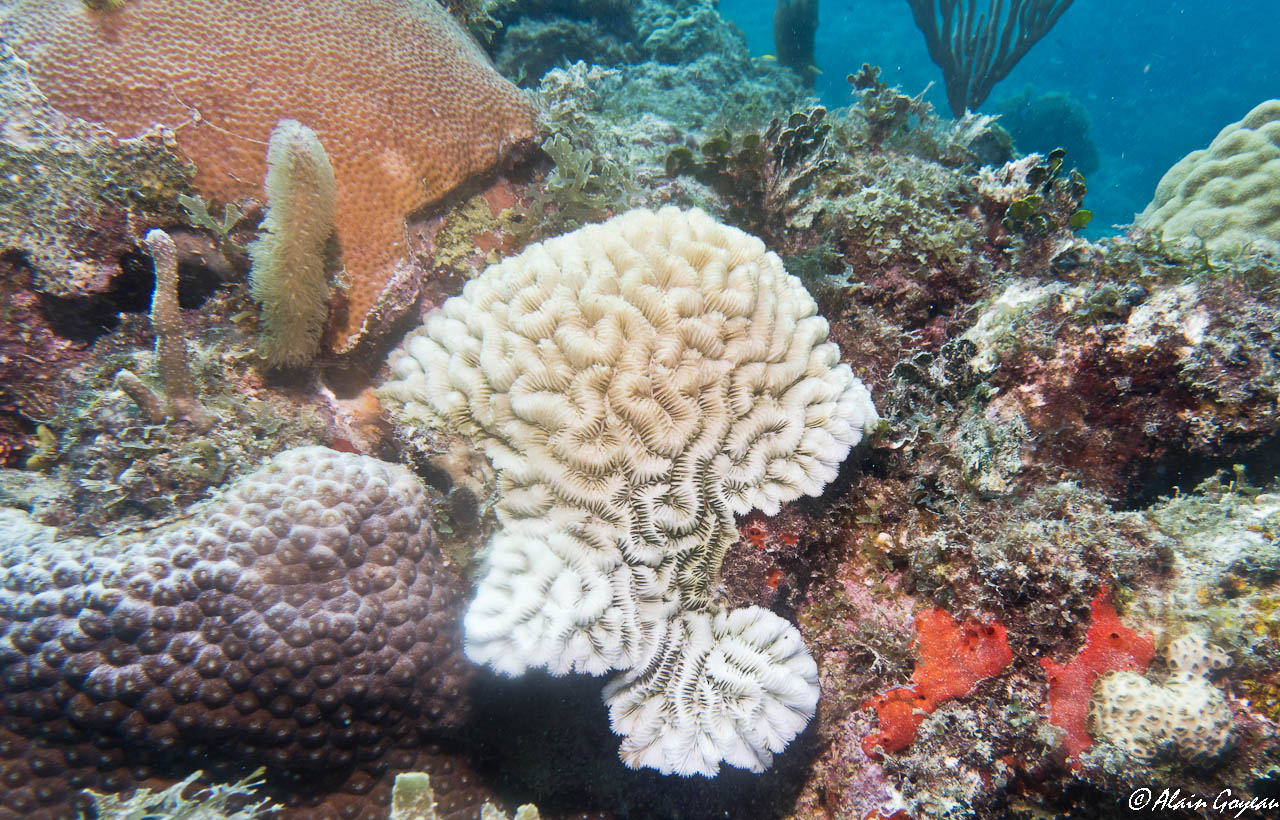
302,620
405,103
636,384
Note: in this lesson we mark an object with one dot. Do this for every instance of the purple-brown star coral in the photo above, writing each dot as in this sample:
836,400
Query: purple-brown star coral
303,620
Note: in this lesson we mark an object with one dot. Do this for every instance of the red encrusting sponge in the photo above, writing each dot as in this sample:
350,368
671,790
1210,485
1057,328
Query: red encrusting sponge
1108,647
953,659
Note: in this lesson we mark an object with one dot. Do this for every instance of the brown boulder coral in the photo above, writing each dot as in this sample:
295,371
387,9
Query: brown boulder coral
303,620
404,101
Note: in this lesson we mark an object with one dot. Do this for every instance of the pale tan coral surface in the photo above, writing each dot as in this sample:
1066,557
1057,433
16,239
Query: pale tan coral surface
1228,194
404,101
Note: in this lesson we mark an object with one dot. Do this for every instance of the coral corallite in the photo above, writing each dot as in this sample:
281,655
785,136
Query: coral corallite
404,101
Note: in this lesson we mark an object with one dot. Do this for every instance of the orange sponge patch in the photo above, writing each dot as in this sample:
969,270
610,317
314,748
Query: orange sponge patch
1109,646
954,658
900,711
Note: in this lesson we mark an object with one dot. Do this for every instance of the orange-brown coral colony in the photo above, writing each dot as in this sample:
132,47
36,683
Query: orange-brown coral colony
403,100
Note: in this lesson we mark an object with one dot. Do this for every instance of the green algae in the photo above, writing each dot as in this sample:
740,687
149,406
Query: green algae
219,801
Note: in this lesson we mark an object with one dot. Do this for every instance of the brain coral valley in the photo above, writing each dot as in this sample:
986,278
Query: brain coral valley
381,438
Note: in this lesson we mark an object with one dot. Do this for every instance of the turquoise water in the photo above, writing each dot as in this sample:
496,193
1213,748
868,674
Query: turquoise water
1157,79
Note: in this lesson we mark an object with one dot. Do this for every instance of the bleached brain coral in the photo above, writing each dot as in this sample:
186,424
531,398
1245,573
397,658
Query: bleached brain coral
636,384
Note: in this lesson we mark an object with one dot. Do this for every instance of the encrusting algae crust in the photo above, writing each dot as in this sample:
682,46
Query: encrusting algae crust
404,101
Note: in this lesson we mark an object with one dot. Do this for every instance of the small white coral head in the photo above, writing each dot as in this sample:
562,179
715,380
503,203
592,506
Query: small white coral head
733,687
636,384
1187,718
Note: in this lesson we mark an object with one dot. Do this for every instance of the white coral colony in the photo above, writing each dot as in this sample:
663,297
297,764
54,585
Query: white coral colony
636,384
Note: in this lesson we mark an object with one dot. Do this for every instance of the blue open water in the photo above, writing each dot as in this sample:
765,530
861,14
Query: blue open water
1159,79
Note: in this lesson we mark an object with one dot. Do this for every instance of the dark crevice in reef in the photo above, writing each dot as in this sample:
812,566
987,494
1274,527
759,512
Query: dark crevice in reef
547,741
1183,471
83,318
196,283
1267,787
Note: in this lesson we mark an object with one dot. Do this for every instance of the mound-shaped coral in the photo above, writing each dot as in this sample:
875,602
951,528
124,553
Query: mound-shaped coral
404,101
1228,194
302,620
1187,718
636,383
